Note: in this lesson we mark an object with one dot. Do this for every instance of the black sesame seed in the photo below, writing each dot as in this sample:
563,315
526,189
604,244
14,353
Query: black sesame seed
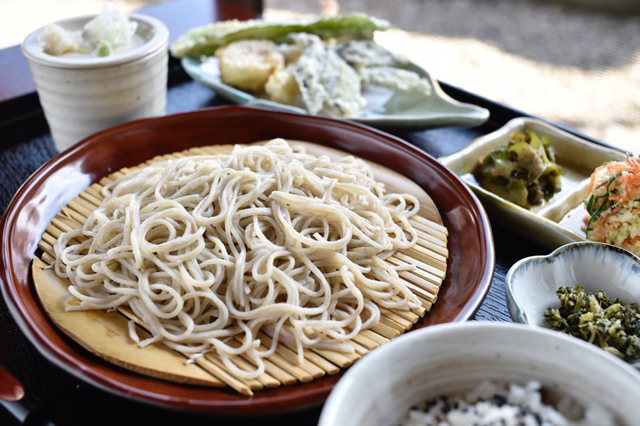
499,400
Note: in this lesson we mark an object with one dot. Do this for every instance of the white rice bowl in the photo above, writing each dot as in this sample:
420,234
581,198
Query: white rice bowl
474,360
500,404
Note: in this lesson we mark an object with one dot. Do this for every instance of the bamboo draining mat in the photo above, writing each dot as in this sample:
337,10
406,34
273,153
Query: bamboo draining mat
106,333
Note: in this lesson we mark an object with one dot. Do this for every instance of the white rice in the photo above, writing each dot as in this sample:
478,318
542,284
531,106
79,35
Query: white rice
492,404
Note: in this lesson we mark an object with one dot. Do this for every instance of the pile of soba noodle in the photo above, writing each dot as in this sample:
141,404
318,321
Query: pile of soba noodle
210,251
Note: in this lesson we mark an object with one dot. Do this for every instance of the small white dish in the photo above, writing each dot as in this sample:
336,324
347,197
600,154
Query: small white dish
452,358
532,282
557,221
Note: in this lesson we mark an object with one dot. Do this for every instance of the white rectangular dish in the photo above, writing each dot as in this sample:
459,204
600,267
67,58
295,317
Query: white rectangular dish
557,221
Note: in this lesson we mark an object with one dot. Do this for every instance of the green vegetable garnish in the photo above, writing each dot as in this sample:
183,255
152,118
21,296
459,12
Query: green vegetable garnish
104,49
596,205
598,319
524,172
206,39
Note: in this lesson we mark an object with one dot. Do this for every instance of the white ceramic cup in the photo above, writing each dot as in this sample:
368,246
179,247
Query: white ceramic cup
81,96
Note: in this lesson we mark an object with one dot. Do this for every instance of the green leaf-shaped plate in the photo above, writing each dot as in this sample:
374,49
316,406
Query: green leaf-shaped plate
385,108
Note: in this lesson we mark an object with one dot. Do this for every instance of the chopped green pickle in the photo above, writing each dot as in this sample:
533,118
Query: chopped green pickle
524,172
599,320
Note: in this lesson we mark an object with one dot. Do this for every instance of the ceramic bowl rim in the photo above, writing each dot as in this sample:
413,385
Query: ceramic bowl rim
516,311
463,329
158,40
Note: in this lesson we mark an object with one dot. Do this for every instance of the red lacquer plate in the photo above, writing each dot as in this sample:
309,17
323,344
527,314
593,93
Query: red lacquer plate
471,252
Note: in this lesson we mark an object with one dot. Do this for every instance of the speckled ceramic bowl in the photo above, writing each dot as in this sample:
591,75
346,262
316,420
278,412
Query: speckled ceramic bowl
81,96
532,282
452,358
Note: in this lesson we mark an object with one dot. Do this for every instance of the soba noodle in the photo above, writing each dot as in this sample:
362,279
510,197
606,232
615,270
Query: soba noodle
211,251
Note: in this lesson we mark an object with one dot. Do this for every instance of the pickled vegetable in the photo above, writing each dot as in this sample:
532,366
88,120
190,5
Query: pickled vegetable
598,319
524,172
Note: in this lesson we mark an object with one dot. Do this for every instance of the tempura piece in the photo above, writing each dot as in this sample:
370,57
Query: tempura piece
380,67
613,201
205,40
397,79
248,64
282,87
326,80
368,53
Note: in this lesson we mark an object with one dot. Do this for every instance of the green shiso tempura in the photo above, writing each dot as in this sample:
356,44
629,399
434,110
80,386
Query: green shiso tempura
598,319
205,40
523,172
